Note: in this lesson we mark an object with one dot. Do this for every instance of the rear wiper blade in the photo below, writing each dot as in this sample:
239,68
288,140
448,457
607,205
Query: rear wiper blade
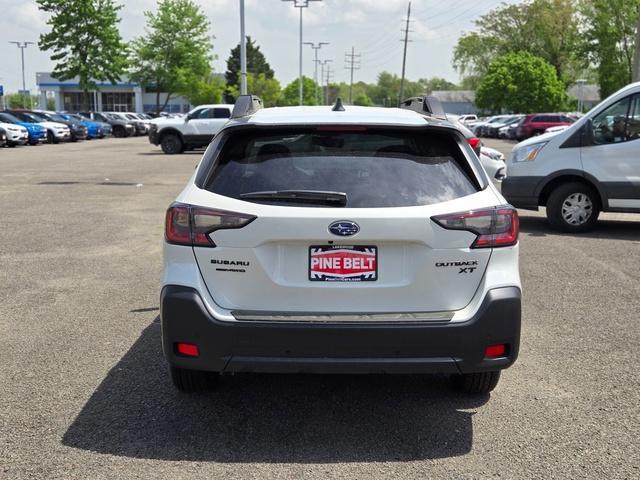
303,196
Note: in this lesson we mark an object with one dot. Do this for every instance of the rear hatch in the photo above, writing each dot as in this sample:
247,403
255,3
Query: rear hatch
337,220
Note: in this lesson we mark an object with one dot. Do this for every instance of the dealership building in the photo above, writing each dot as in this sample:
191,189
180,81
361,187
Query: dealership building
123,96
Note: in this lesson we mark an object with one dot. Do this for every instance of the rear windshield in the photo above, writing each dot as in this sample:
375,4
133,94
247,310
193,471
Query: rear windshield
374,168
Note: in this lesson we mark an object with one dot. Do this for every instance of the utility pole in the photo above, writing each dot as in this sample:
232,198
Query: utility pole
353,63
316,47
322,64
301,4
635,75
243,53
22,46
404,55
328,79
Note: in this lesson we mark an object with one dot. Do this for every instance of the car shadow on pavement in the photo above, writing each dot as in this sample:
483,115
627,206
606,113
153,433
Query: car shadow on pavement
606,229
135,412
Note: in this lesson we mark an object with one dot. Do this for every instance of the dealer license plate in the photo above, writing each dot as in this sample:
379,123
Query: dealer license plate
343,263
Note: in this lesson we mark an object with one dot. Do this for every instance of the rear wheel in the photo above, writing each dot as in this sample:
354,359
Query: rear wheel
573,207
476,383
192,380
171,144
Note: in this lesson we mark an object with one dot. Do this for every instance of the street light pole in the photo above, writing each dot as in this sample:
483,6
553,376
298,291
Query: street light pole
22,46
315,71
301,4
243,53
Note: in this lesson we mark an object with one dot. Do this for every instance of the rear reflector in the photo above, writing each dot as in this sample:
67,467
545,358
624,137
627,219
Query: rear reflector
495,227
187,349
496,351
191,225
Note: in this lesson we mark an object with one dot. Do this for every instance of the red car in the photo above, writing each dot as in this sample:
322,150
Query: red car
536,123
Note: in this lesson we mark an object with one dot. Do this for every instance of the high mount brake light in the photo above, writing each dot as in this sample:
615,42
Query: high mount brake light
191,225
495,227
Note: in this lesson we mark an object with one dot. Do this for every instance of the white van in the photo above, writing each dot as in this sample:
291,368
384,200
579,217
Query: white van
590,167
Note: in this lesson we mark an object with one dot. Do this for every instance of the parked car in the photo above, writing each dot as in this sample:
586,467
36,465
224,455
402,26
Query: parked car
16,134
535,124
93,129
591,167
479,129
36,133
120,128
175,135
492,153
141,126
55,131
509,132
559,128
77,130
492,130
105,128
339,239
468,118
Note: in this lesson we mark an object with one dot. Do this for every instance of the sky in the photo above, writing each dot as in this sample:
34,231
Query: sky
372,27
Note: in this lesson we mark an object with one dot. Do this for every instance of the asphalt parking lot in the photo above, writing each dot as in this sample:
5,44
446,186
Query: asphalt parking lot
85,394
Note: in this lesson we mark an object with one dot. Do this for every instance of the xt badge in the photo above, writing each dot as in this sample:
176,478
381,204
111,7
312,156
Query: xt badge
464,267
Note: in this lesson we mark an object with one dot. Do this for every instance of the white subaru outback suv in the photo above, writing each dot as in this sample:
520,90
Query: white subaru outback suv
340,240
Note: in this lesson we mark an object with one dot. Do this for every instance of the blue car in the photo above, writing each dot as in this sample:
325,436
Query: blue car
37,133
94,129
106,128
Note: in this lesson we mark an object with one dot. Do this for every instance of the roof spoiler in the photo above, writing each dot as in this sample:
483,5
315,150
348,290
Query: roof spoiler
426,105
246,105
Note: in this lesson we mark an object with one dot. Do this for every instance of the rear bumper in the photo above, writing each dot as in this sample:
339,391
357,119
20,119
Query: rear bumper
339,348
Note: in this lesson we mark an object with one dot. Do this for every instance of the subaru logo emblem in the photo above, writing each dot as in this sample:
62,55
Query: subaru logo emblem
344,228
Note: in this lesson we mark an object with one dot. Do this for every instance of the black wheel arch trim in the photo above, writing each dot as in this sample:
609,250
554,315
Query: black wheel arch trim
165,131
599,186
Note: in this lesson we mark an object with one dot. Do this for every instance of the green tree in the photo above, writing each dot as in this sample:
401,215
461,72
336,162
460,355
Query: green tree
520,82
291,93
548,29
268,89
256,63
85,41
174,55
609,40
363,100
436,83
206,90
16,100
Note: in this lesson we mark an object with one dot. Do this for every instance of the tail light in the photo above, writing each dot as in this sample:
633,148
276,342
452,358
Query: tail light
191,225
474,142
495,227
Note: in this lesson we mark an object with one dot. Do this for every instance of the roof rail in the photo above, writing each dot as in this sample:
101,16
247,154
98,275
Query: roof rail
246,105
425,105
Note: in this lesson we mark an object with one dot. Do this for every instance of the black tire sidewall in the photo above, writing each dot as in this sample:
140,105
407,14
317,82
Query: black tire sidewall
556,199
171,144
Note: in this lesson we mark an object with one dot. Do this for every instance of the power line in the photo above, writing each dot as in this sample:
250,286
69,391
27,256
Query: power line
322,75
316,47
353,63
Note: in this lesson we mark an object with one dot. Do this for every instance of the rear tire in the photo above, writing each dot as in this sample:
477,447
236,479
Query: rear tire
573,207
476,383
171,144
192,381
